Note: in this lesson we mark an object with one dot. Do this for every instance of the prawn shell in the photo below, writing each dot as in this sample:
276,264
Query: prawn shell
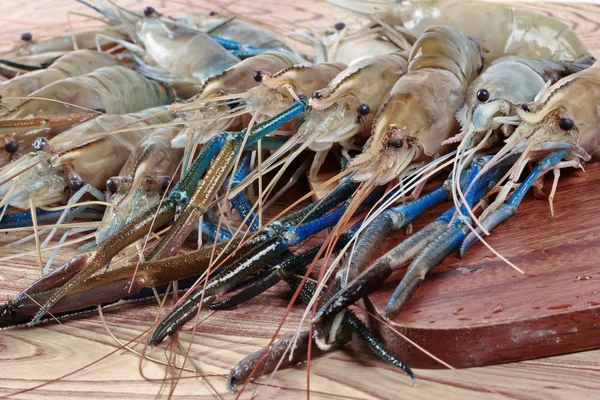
422,105
184,52
65,43
304,78
115,89
72,64
99,159
501,30
239,78
576,97
365,79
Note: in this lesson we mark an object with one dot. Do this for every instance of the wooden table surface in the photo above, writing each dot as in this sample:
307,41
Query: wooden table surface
99,367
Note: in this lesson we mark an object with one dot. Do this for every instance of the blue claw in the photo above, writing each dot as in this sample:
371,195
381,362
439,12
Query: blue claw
210,231
241,204
20,220
509,208
440,244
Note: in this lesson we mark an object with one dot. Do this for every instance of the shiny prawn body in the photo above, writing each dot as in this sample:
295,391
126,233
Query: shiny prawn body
165,49
70,160
420,110
64,44
72,64
142,181
64,103
501,30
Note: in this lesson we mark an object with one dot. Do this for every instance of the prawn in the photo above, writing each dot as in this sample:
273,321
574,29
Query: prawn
166,50
72,64
501,30
70,161
64,44
233,82
58,106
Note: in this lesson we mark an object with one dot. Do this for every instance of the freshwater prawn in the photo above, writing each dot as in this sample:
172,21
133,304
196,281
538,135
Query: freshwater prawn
67,102
164,49
72,64
501,30
50,48
71,160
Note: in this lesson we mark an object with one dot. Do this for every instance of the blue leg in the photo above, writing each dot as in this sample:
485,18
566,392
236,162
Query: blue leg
247,53
241,204
509,208
21,220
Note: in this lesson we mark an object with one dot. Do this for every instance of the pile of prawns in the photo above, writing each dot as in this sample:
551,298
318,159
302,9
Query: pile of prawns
169,125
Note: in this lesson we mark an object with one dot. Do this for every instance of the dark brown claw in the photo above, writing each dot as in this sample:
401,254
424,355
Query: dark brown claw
272,356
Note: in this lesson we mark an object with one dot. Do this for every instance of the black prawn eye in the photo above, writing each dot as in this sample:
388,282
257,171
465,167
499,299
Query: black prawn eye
257,76
12,146
111,185
483,95
525,107
26,36
317,95
339,26
75,184
148,11
363,109
165,185
395,144
566,124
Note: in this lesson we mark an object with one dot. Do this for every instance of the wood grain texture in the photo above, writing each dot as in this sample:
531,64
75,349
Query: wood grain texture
29,357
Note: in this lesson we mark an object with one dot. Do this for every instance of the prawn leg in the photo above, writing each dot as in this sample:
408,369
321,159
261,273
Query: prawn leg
509,208
291,265
215,176
271,360
20,220
245,265
239,202
440,246
83,266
